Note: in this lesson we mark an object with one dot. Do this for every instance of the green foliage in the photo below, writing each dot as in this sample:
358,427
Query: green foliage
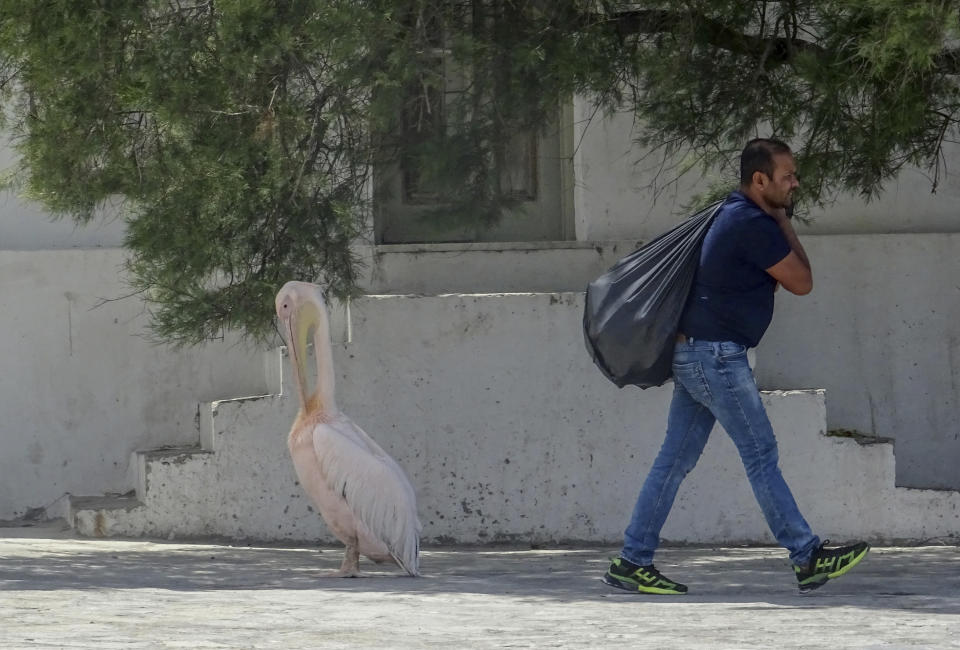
241,134
235,131
858,88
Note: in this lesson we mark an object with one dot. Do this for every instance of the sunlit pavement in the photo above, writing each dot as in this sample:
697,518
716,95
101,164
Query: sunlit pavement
57,591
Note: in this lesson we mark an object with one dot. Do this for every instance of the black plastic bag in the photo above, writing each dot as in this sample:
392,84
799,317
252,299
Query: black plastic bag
632,311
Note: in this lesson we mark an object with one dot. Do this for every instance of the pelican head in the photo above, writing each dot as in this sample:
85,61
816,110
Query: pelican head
302,309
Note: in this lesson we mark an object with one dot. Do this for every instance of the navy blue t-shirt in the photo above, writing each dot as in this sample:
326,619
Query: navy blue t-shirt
732,294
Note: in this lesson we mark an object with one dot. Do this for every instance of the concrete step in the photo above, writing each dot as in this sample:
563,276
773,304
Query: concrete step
528,444
524,267
171,471
94,516
245,489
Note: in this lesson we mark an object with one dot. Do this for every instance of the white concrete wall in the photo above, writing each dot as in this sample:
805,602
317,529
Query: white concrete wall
880,333
509,433
25,226
495,400
82,387
623,192
490,268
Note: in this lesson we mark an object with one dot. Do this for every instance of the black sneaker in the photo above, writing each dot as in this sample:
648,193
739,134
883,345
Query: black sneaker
829,563
640,579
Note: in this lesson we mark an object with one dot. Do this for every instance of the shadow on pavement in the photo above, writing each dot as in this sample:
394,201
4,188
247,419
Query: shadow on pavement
924,578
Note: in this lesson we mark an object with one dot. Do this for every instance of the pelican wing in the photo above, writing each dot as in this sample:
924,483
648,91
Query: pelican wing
373,485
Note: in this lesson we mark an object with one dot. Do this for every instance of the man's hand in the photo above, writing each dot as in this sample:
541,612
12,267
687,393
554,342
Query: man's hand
781,215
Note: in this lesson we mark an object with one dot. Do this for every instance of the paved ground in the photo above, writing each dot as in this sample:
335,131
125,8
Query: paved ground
60,592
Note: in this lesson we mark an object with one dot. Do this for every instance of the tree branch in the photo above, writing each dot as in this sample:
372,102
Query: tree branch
948,62
775,51
778,50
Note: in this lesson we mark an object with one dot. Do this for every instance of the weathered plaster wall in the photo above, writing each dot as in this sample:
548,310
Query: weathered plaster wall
479,268
82,386
494,400
83,389
879,332
25,226
624,192
509,433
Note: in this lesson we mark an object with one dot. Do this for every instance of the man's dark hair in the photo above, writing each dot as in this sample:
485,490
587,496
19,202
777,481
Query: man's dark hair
757,156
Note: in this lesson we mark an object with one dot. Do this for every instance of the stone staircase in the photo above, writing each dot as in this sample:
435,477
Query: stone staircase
234,483
509,434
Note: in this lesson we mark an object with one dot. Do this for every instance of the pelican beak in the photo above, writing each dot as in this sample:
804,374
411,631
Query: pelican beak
298,329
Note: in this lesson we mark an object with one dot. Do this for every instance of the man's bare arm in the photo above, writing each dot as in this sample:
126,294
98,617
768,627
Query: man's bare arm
793,271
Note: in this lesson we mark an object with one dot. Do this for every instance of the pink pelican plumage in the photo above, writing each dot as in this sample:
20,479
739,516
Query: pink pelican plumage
360,491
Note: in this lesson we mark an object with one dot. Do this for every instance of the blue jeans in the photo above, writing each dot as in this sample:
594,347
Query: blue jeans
713,382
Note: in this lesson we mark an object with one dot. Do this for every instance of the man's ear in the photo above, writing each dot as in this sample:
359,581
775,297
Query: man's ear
759,179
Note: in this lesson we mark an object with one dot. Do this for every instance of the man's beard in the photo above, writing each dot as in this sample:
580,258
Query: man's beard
785,203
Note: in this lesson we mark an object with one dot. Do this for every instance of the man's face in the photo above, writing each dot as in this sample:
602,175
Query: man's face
778,191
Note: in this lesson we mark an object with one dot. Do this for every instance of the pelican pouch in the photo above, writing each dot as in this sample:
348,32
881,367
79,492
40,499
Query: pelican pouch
632,311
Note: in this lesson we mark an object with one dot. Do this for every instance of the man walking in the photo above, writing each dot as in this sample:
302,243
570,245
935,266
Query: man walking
750,248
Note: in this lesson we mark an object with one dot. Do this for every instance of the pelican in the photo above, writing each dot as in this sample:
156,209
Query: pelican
360,491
